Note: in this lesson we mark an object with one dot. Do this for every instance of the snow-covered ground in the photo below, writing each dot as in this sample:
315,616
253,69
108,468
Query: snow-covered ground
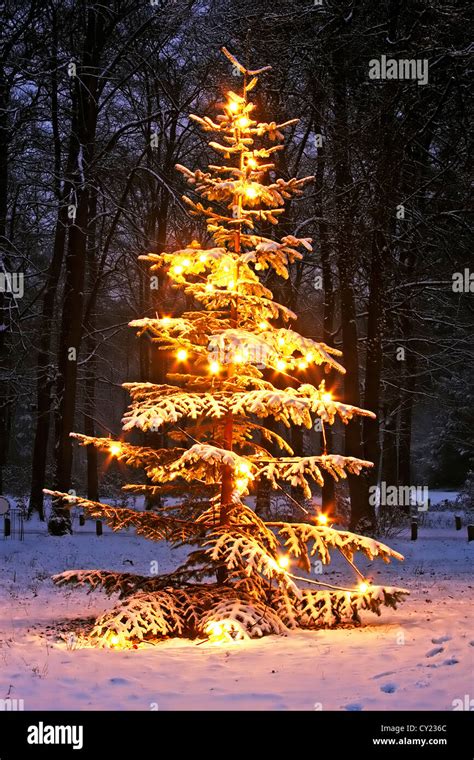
418,657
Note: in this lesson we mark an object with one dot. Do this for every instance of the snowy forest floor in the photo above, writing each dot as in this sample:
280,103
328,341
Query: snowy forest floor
418,657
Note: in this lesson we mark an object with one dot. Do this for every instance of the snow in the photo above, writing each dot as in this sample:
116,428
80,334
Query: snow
418,657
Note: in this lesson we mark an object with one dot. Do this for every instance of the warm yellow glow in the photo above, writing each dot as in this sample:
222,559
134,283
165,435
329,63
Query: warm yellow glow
243,122
309,357
281,365
322,518
114,640
214,368
165,320
209,287
182,355
281,341
241,484
252,163
284,561
178,269
186,263
230,285
202,258
251,192
363,587
115,448
233,106
222,631
244,468
238,359
263,325
326,397
302,365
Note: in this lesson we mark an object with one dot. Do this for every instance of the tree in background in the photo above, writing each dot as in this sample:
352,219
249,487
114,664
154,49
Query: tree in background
232,350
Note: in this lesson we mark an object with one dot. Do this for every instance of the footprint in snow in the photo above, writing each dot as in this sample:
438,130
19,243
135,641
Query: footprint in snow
436,650
382,675
441,639
450,661
389,688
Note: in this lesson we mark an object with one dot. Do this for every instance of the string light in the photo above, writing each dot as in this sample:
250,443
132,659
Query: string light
186,263
322,518
209,287
326,397
284,561
302,365
281,365
238,359
243,122
165,320
363,587
281,341
233,106
244,468
178,269
251,192
222,632
231,285
309,357
115,448
241,484
252,163
182,355
263,325
214,368
202,258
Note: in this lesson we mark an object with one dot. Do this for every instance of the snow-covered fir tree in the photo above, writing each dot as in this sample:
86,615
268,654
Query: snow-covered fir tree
238,581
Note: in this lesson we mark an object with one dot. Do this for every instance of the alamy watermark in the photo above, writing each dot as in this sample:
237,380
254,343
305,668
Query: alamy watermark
12,282
404,68
399,496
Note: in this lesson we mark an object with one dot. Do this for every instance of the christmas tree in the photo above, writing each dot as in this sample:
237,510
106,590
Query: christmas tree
237,580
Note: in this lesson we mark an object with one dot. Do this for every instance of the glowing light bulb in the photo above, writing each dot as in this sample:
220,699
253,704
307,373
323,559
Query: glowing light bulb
322,518
284,561
233,106
326,397
238,359
202,258
115,448
165,320
309,357
182,355
281,365
230,285
263,325
363,587
252,163
243,122
186,263
241,484
281,341
209,287
251,192
302,365
178,269
244,468
214,368
114,640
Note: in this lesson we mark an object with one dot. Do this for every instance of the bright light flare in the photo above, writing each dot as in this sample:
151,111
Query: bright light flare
115,448
284,561
251,192
322,518
222,632
326,397
363,587
182,355
281,365
214,368
233,106
243,122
